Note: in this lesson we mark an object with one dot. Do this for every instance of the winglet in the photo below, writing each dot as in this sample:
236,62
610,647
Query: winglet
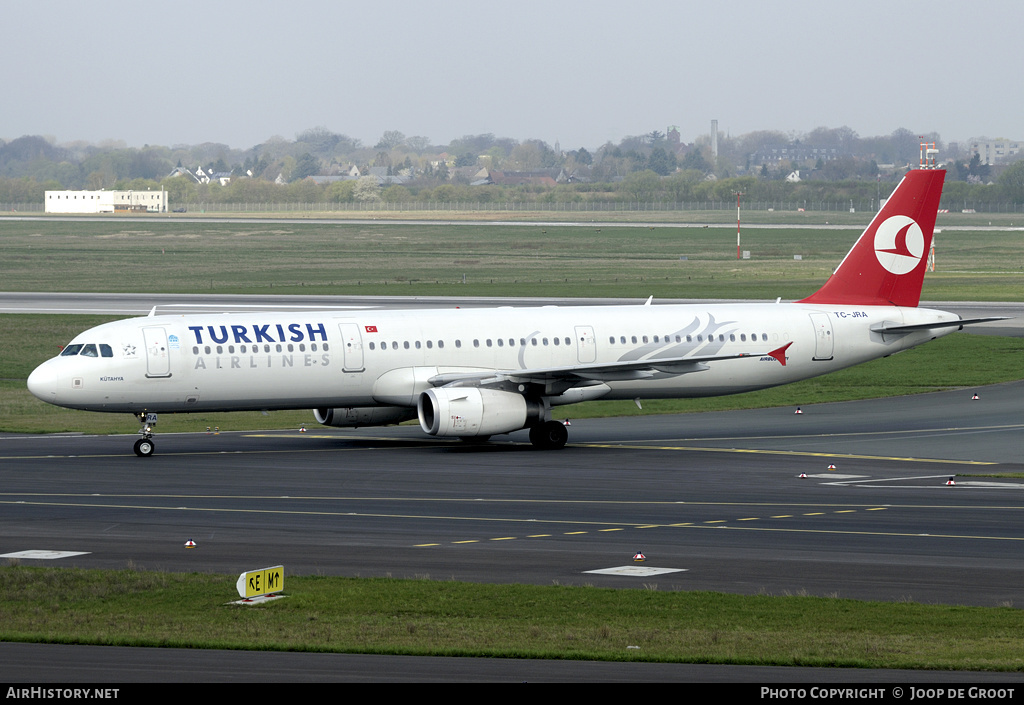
780,353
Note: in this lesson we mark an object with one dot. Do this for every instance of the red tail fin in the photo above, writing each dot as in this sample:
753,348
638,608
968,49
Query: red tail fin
886,265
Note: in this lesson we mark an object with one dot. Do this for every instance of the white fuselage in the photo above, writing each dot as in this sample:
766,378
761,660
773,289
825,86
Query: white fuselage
384,358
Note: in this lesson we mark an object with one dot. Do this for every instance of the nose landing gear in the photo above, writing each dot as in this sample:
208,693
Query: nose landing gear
145,446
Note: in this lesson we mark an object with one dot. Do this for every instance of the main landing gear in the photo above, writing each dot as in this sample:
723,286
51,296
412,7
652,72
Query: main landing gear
145,446
549,435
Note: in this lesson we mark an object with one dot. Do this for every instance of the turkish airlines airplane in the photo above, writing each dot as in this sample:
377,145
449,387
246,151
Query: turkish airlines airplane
473,373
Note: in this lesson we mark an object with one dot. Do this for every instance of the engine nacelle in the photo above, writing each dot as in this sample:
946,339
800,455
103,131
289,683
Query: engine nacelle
471,411
351,417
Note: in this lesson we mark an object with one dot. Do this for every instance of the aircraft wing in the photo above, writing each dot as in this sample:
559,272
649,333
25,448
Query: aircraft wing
573,375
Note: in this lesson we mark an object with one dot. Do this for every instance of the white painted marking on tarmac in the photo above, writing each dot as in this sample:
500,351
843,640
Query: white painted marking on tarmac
637,571
833,476
44,555
933,482
317,307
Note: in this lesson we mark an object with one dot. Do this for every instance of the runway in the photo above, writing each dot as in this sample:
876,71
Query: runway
714,498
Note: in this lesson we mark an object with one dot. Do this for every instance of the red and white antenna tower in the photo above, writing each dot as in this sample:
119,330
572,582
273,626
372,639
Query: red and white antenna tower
928,154
738,194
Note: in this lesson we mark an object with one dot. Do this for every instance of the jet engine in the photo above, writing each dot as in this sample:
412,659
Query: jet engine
363,416
471,411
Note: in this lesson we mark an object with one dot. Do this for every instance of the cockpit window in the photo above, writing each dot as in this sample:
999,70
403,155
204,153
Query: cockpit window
88,350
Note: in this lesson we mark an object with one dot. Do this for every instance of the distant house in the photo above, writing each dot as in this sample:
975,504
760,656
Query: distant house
348,173
384,179
182,171
541,177
474,175
770,154
221,177
444,160
322,180
202,177
579,175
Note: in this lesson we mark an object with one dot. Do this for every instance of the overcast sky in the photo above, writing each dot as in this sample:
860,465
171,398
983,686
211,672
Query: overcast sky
581,73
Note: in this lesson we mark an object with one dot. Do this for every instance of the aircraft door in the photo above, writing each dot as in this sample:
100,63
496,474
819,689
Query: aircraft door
586,344
353,350
824,342
158,361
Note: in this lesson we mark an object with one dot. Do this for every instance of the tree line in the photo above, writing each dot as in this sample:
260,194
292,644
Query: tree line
645,168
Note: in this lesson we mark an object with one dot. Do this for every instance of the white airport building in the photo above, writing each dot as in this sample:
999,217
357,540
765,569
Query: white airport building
106,202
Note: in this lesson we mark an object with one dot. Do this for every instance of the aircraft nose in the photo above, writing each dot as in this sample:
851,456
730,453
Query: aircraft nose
42,383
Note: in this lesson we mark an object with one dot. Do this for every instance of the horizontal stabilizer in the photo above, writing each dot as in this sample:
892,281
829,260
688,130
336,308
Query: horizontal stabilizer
901,328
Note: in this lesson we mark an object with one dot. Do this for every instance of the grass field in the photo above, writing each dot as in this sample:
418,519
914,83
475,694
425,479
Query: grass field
496,260
429,617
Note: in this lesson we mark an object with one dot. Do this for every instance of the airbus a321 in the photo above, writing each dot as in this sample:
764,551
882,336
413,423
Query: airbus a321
473,373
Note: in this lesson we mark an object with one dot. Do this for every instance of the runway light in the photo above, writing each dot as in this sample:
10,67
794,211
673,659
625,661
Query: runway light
190,544
639,557
798,411
950,482
831,466
803,475
975,397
